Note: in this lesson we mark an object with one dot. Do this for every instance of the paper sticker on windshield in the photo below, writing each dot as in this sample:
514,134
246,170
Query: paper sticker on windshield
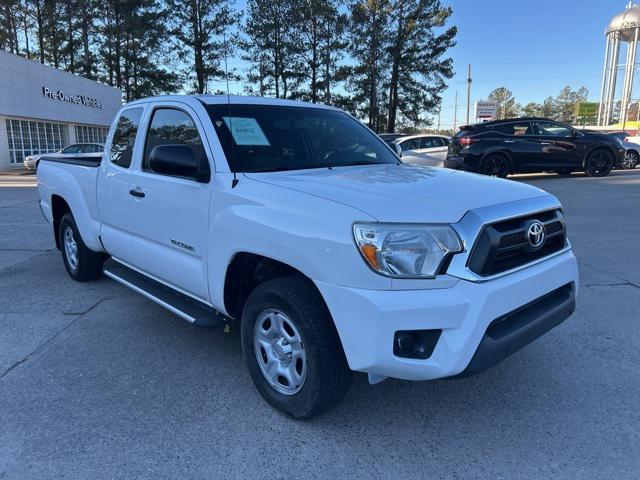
246,131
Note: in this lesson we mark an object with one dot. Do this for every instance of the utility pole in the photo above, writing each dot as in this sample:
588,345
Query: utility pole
439,112
468,93
455,114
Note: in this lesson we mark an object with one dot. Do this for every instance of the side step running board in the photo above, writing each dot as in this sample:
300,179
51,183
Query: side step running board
182,305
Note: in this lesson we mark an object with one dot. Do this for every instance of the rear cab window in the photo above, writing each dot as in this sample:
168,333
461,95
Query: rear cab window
124,137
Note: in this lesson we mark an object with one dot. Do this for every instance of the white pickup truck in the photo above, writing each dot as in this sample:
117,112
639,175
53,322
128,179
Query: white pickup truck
302,226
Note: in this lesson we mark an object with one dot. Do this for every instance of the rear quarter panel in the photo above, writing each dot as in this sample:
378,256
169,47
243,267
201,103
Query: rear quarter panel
77,186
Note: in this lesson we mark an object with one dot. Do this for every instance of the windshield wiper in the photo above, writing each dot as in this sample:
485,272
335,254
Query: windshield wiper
364,162
283,168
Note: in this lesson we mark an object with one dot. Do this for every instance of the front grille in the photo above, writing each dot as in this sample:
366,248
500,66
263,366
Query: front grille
504,245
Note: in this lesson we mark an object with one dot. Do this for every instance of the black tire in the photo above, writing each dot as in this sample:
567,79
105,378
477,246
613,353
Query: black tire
564,172
88,264
631,159
599,163
327,375
496,165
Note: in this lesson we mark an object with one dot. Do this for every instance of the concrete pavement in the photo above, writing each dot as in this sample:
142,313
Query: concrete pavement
97,382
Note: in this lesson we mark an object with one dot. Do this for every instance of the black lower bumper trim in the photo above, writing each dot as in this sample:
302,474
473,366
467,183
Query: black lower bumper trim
515,330
455,163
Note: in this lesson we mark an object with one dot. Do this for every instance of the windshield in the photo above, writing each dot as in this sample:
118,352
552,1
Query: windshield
267,138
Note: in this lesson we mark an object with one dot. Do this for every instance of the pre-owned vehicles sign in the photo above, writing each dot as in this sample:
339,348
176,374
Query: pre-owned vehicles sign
71,98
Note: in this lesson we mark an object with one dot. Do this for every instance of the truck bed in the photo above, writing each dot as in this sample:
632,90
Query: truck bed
72,179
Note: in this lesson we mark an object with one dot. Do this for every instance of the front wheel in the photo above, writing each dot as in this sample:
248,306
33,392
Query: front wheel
292,349
631,159
496,165
599,163
81,263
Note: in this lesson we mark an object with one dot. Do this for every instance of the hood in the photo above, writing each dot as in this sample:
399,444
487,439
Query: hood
403,193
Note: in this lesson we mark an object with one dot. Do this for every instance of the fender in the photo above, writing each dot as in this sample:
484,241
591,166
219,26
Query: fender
308,233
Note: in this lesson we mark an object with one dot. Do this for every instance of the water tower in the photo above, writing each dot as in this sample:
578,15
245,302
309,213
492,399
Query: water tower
623,28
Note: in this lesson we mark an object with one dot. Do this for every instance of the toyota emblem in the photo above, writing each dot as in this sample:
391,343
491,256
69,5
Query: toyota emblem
535,234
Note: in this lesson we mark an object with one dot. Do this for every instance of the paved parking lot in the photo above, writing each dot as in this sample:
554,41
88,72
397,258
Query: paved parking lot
97,382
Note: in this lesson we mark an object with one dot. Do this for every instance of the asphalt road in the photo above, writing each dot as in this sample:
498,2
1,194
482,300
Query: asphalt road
97,382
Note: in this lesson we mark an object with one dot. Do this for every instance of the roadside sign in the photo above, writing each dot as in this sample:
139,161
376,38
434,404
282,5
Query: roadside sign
587,109
486,109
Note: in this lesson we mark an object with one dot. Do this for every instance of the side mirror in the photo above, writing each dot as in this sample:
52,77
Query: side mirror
398,149
179,161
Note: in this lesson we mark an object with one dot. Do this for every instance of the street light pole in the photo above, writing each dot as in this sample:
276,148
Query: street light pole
455,114
468,93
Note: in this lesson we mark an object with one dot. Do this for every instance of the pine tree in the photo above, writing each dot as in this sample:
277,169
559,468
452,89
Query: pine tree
322,29
201,28
369,37
507,106
417,52
134,42
272,46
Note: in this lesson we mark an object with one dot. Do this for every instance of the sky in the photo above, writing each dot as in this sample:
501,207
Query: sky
533,48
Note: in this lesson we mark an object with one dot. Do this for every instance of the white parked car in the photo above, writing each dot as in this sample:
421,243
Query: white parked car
301,226
31,161
424,149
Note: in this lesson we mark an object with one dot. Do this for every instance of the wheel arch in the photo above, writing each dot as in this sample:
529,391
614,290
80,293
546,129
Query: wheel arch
597,147
246,270
498,151
59,207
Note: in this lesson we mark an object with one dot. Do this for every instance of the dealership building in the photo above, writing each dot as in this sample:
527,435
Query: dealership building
43,109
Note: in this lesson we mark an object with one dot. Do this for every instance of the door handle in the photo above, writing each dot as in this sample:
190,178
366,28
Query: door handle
509,141
136,193
545,143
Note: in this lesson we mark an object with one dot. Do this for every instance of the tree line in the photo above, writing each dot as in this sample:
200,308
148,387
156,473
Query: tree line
561,108
384,61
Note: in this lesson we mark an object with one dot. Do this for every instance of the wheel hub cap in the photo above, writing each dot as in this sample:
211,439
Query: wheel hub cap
71,248
280,351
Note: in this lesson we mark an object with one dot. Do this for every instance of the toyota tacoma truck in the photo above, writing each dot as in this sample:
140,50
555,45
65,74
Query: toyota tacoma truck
300,225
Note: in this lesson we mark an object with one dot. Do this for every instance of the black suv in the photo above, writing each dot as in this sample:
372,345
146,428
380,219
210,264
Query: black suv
523,145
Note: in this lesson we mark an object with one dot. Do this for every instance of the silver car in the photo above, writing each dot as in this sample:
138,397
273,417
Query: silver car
31,161
422,149
632,153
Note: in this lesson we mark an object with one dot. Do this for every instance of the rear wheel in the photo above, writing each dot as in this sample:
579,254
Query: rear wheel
631,159
496,165
292,349
599,163
81,263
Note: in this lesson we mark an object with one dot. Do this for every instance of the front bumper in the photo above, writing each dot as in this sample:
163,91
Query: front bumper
366,320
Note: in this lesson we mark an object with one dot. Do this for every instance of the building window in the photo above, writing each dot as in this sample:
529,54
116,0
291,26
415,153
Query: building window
31,138
85,134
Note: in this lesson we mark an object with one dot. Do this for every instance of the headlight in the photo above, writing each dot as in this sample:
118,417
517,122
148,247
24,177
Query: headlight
406,250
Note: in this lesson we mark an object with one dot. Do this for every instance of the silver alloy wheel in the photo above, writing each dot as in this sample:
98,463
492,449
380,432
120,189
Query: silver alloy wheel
70,248
630,159
280,351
